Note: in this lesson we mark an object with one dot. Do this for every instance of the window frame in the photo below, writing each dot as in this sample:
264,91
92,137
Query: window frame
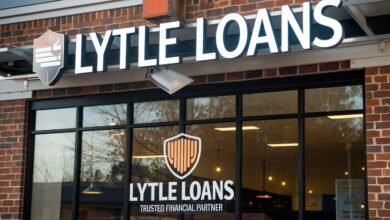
238,89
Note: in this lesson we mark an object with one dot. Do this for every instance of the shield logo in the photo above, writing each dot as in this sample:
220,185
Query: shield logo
50,56
182,154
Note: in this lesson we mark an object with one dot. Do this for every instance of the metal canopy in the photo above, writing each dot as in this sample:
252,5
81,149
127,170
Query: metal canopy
365,22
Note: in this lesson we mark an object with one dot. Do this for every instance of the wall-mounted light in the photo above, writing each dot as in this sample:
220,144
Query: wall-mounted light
338,117
148,156
244,128
283,145
168,80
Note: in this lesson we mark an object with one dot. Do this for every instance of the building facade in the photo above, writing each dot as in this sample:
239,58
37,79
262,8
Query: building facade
297,134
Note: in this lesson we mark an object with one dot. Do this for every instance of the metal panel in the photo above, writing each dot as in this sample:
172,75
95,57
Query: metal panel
61,8
16,95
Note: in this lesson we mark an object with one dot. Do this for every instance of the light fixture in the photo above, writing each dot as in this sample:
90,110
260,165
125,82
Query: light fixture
244,128
117,134
218,168
148,156
362,206
283,145
270,178
337,117
346,173
265,196
92,190
310,191
283,183
168,80
363,168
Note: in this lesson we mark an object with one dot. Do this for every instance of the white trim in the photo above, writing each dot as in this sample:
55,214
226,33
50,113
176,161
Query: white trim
16,95
60,8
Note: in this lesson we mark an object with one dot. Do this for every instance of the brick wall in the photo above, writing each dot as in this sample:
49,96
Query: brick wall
13,114
23,33
12,158
378,141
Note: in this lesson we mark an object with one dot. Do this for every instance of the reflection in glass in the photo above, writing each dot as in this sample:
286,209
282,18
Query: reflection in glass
159,111
102,174
270,158
53,176
217,162
55,119
334,169
104,115
270,103
334,99
211,107
148,163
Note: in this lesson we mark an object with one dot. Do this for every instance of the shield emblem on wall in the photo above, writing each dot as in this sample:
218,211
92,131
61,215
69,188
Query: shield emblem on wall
182,154
50,56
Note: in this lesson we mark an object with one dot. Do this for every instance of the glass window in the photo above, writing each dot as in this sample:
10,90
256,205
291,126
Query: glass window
270,103
153,112
102,174
211,107
52,187
334,99
217,162
270,161
335,169
148,165
105,115
55,119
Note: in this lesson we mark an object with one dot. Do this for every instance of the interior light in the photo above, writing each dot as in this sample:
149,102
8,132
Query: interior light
283,145
337,117
362,206
346,173
148,156
218,169
310,191
283,183
363,168
244,128
265,196
92,190
168,80
117,134
270,178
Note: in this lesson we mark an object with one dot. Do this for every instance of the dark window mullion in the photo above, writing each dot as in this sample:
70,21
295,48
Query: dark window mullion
238,161
128,160
301,154
77,164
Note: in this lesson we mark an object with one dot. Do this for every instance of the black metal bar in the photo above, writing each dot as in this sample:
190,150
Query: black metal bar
301,155
77,164
269,117
128,161
263,85
54,131
330,113
29,166
365,155
210,121
238,161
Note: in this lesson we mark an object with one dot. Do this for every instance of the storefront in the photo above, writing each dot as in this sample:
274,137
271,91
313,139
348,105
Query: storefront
271,115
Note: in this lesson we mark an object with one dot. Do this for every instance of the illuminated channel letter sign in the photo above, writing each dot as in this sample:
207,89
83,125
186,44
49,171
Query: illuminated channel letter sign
248,40
181,156
50,54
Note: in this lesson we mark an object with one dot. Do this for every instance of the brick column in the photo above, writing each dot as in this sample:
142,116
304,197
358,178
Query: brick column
13,125
378,141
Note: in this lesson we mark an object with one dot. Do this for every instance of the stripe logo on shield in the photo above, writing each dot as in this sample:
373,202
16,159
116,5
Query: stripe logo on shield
50,51
182,154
